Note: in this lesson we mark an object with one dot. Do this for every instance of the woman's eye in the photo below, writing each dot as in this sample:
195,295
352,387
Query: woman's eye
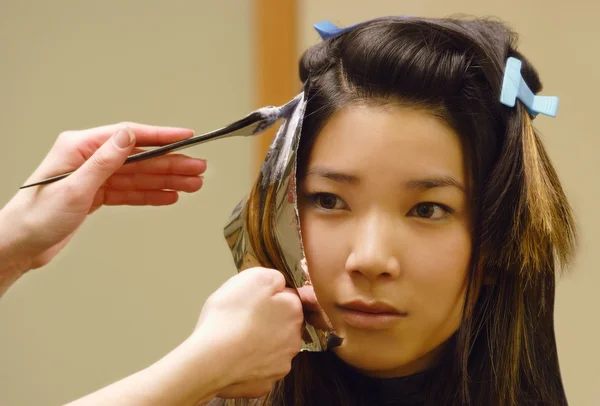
431,211
327,201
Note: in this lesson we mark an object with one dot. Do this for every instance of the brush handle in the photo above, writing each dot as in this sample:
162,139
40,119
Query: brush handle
253,124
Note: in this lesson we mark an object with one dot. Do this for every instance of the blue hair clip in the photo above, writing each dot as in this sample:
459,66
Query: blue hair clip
514,87
328,30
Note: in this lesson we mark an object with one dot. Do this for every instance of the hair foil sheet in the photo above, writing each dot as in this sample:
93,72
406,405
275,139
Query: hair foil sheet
264,228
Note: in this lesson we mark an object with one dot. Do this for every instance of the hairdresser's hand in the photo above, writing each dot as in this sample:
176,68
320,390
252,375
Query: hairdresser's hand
40,220
255,321
245,339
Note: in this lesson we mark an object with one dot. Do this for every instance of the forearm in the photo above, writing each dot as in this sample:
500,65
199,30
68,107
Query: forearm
13,262
136,389
186,376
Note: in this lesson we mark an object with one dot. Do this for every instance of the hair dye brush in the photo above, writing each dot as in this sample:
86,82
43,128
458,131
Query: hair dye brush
253,124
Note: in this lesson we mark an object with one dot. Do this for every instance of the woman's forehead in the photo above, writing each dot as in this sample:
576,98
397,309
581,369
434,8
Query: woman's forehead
374,138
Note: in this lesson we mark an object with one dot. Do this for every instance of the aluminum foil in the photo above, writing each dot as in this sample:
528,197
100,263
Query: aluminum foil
274,211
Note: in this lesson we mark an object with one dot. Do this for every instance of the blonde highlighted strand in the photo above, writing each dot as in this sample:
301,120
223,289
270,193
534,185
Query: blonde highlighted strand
545,216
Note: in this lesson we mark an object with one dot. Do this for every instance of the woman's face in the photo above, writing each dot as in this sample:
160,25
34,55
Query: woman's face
386,230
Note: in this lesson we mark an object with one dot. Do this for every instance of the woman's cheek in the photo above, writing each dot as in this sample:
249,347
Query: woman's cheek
440,279
322,250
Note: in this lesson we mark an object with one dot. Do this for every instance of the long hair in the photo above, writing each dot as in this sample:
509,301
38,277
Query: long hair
504,352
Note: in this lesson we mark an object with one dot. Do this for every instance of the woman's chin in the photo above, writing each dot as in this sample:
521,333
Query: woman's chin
377,362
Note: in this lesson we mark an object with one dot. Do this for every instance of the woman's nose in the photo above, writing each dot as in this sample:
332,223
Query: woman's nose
373,252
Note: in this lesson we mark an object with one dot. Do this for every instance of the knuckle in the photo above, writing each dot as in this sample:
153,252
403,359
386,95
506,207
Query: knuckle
256,272
67,138
273,274
277,277
212,298
66,135
99,159
268,276
124,124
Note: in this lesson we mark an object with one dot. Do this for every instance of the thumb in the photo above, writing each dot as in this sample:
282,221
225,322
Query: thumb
104,162
308,298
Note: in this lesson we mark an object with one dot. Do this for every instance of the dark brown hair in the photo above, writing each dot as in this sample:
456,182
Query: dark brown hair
504,352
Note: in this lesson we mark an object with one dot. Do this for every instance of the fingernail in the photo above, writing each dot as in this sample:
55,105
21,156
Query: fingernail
124,138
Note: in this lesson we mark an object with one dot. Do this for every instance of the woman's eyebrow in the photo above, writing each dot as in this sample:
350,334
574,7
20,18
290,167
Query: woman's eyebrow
435,182
336,176
423,183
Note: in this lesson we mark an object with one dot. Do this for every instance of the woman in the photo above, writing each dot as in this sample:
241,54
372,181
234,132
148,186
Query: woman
432,220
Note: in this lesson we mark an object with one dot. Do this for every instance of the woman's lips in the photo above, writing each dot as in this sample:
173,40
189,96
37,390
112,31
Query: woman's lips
370,315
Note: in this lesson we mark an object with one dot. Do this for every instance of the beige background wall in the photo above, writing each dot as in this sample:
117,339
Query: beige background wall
131,284
561,39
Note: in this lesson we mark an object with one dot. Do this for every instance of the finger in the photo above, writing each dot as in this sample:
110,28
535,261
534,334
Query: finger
313,313
289,298
176,164
308,298
277,280
267,277
139,198
102,164
146,135
140,181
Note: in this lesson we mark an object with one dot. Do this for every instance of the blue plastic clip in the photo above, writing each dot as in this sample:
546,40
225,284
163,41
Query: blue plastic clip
514,87
328,30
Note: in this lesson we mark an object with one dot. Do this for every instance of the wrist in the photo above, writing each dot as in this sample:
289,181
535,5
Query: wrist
191,374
